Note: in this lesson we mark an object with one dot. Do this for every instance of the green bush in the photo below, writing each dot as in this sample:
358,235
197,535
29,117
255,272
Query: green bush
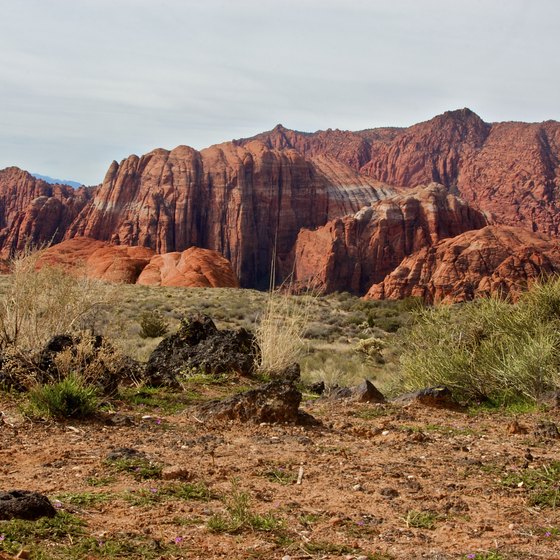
71,397
152,324
487,349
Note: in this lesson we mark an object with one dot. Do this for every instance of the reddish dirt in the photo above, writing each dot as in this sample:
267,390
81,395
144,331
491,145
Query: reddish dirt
361,478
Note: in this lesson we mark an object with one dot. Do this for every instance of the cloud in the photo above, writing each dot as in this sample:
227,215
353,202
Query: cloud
86,82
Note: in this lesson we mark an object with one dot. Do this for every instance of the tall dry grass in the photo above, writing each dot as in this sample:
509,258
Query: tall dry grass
40,303
280,330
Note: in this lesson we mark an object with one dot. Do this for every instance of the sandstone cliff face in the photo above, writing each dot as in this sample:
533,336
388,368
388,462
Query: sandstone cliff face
495,260
353,252
33,211
195,268
510,169
245,198
239,201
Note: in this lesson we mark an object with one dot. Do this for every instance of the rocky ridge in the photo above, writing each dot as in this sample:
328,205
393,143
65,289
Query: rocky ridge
495,260
353,252
268,198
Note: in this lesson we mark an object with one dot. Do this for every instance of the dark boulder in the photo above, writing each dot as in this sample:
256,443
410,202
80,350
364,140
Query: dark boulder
435,397
364,392
24,504
547,430
317,388
274,402
199,346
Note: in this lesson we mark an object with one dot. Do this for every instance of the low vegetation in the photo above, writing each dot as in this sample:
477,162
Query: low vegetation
240,516
71,397
487,349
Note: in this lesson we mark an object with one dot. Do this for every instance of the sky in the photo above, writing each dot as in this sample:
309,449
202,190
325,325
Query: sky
84,82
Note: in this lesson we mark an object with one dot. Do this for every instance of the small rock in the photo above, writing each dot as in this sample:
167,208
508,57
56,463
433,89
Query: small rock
25,504
364,392
435,397
389,493
357,487
317,388
547,430
515,428
274,402
175,472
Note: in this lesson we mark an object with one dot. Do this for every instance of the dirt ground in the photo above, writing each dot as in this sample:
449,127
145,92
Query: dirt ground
378,482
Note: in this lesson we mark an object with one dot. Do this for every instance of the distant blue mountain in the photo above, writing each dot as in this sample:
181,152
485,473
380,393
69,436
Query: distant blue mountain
52,181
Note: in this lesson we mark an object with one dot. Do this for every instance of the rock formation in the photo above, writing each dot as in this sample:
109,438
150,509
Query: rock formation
98,259
239,201
33,211
195,268
510,169
353,252
248,199
499,260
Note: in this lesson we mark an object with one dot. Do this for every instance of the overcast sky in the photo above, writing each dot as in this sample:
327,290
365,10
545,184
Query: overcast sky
84,82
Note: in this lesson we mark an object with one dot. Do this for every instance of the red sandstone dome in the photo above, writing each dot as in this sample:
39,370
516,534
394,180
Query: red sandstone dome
120,263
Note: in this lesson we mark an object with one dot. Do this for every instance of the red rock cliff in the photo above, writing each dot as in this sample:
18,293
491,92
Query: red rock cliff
237,200
353,252
32,210
501,260
510,169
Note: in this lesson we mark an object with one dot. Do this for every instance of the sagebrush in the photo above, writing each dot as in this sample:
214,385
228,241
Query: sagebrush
488,348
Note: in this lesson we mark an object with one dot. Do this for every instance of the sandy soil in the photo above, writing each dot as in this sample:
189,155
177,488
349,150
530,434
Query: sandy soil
364,470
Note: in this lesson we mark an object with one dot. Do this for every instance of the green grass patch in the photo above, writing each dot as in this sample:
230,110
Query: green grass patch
60,529
100,480
139,468
83,499
542,484
421,519
280,476
71,397
239,516
155,398
186,491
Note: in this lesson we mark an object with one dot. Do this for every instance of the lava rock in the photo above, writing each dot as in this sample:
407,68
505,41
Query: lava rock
199,345
364,392
274,402
435,397
25,504
317,388
547,430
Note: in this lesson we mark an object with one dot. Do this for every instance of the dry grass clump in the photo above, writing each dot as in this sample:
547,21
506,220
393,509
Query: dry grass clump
41,303
280,330
488,349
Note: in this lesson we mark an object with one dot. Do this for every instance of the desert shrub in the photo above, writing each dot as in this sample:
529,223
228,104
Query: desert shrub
487,348
71,397
40,303
97,362
280,331
152,324
371,348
